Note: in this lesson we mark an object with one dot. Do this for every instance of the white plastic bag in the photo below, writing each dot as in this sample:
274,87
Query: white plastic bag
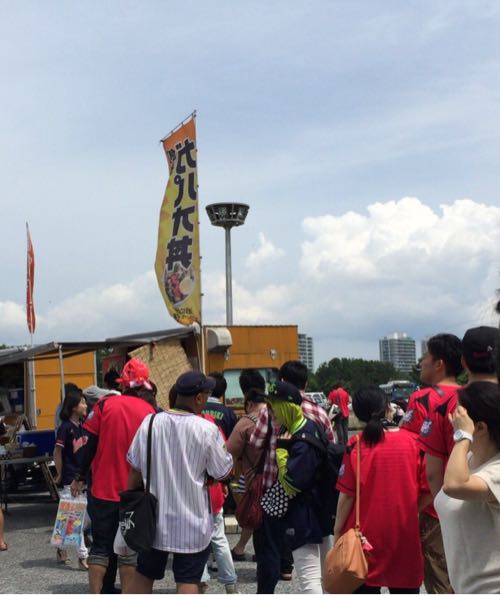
120,547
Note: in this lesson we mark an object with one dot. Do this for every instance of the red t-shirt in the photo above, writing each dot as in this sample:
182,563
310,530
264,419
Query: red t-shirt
436,433
215,488
421,405
340,397
115,420
389,507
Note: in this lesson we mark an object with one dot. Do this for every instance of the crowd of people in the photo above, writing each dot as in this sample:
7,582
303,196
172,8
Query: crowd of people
429,496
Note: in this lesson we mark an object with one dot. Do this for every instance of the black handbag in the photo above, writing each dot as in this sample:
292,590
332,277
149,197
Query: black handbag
137,510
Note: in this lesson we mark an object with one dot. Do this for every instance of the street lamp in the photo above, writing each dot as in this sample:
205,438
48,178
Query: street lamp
228,215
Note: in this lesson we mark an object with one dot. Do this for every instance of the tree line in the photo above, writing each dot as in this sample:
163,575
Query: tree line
354,373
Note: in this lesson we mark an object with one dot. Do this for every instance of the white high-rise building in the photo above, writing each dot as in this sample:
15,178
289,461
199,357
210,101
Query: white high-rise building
399,349
306,351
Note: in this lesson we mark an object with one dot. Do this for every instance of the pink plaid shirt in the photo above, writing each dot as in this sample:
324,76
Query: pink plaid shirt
310,409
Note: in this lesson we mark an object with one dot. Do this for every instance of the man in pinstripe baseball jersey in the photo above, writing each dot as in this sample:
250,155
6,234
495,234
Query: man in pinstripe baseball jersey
185,449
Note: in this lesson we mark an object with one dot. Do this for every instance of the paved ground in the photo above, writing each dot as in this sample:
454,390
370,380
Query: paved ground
29,566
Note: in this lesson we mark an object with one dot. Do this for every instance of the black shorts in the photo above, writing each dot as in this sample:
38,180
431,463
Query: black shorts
187,568
104,517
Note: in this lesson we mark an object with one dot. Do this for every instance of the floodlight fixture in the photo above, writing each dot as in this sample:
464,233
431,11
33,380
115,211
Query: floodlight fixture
228,215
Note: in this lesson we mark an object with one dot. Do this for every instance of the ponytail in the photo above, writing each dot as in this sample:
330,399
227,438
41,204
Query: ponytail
369,404
373,432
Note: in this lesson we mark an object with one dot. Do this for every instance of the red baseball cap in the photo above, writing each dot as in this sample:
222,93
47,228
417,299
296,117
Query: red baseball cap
135,373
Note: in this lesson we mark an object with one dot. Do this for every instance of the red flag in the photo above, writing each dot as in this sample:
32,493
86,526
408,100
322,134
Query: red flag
30,280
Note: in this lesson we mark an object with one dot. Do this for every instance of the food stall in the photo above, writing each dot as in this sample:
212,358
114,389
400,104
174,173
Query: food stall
30,390
32,378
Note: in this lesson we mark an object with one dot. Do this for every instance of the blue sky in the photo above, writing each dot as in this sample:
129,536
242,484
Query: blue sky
312,113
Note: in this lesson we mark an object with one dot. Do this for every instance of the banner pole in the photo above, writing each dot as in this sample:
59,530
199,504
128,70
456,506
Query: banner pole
202,329
191,115
30,273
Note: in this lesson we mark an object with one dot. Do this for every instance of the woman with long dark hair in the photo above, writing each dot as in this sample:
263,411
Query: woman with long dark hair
469,503
389,495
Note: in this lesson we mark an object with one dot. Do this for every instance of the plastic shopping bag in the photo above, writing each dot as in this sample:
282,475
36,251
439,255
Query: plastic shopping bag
69,524
120,547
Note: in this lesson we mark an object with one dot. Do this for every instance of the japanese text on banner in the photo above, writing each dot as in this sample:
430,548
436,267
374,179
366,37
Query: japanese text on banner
177,262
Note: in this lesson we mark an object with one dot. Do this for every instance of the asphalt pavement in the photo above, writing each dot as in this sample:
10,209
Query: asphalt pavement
29,565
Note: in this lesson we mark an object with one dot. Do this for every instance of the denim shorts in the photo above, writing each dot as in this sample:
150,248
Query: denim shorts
187,568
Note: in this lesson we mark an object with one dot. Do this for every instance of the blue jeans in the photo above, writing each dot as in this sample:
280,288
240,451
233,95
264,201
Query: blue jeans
226,575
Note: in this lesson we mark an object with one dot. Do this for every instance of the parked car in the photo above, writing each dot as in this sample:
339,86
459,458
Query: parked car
320,399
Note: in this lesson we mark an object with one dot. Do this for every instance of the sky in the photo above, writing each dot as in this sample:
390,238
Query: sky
363,135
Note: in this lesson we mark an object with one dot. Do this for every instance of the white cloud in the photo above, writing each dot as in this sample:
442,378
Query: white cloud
402,265
265,253
12,321
95,313
398,265
271,304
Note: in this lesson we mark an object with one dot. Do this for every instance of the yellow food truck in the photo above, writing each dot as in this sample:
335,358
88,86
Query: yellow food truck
32,379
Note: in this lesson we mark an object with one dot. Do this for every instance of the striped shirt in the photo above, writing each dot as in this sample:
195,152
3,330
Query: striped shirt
257,440
185,448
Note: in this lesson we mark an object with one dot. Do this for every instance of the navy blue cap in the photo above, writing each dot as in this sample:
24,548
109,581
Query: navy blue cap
284,391
192,383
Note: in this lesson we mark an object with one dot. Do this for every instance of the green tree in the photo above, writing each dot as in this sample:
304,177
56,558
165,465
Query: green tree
312,382
414,375
353,373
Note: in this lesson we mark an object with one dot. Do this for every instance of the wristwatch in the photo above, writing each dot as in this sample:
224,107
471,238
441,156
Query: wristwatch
462,435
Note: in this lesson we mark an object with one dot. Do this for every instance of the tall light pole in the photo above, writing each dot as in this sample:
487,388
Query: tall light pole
228,215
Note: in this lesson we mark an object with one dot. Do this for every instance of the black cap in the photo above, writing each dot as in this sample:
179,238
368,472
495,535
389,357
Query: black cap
284,391
192,383
479,343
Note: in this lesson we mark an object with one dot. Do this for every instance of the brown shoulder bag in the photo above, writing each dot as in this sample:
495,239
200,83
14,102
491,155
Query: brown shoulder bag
346,567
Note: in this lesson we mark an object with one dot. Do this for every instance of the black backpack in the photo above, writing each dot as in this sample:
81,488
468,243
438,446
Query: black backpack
325,495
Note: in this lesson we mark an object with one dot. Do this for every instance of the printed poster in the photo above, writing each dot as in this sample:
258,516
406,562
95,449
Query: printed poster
68,526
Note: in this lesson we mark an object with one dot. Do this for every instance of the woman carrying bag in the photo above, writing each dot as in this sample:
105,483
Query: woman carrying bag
246,456
294,497
389,486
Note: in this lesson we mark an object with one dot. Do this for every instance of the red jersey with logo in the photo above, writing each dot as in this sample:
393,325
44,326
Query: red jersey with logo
421,404
390,473
115,420
340,397
436,433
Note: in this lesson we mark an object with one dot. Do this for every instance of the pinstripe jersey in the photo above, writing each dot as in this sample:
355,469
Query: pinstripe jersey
184,449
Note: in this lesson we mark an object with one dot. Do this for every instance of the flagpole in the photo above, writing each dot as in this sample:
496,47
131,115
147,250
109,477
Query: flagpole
29,281
202,330
191,115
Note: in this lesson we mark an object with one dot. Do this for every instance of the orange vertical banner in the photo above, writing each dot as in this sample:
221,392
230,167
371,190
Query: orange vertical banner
30,281
177,263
